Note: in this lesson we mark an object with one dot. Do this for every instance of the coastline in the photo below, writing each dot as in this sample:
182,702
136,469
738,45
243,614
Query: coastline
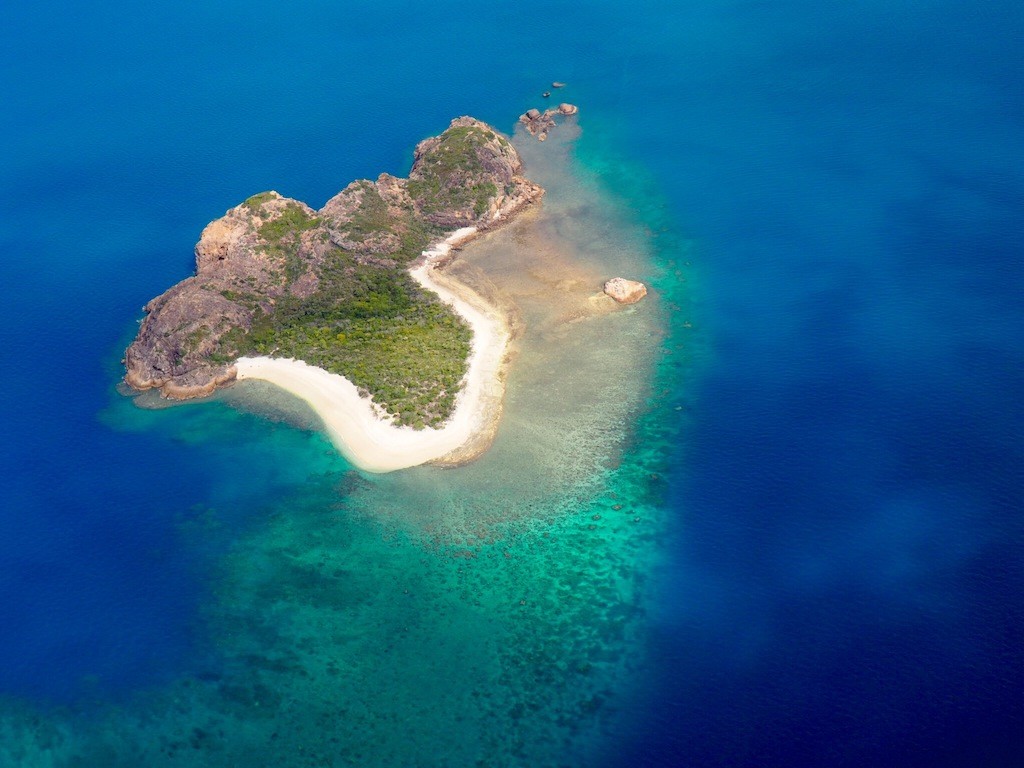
353,422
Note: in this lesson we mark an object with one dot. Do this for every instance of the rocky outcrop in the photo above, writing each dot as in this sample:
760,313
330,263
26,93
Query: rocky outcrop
175,349
538,123
483,184
625,291
271,249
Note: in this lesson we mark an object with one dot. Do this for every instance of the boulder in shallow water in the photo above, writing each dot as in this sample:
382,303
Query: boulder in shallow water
625,291
568,109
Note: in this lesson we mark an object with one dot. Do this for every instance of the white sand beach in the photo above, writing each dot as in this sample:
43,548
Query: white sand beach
353,422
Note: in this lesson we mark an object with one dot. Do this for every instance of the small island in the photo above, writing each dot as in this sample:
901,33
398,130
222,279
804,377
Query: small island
344,307
349,307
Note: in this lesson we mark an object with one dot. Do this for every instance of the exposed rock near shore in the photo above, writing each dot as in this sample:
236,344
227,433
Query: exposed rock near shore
538,123
625,291
272,250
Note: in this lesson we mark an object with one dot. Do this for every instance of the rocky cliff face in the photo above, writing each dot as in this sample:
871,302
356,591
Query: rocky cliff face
272,250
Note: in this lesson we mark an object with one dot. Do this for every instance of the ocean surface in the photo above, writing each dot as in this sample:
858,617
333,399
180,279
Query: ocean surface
770,517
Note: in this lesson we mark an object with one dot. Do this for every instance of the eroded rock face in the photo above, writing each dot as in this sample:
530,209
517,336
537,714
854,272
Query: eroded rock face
175,348
625,291
271,248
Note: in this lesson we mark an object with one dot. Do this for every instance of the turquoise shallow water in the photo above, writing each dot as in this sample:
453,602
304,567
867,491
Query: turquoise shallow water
812,554
354,618
350,619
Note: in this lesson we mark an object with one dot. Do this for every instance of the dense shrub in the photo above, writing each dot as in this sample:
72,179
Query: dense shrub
376,327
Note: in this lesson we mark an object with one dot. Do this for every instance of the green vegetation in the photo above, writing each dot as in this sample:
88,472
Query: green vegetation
367,319
194,339
446,175
190,343
372,218
377,328
254,202
282,237
291,222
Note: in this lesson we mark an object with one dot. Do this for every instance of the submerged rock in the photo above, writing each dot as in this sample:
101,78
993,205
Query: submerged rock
625,291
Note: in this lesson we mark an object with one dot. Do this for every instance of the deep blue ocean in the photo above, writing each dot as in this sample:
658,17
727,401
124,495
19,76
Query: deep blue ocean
843,584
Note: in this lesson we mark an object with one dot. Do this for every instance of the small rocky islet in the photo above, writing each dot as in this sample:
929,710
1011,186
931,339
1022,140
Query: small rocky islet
538,123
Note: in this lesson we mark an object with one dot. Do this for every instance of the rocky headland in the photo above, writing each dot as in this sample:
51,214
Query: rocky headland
332,287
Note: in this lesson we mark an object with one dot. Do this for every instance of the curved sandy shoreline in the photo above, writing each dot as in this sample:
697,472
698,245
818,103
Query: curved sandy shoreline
353,423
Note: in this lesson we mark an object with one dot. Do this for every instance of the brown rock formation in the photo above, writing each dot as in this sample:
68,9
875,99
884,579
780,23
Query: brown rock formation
538,123
625,291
